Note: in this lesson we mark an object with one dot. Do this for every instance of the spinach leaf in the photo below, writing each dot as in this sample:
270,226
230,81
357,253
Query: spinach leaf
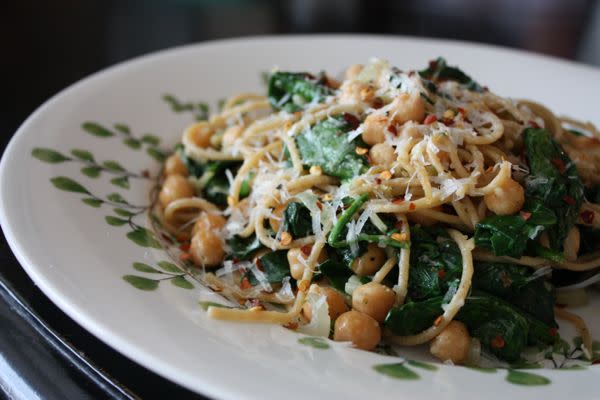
414,317
274,265
242,248
194,168
515,284
487,318
214,180
504,235
297,220
439,70
336,272
289,90
435,261
554,181
508,235
326,145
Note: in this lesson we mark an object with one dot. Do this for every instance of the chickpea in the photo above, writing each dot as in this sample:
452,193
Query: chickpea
369,262
382,154
452,344
277,217
206,246
360,329
374,129
409,131
297,260
208,221
230,135
353,71
353,91
174,166
336,303
175,187
408,107
202,133
373,299
506,199
571,244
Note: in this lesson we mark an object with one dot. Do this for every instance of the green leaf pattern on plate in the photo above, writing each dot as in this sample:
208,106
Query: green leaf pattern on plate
314,342
526,378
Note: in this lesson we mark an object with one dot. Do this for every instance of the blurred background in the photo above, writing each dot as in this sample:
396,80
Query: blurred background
47,45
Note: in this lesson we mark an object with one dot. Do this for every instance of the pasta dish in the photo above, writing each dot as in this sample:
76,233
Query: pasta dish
401,207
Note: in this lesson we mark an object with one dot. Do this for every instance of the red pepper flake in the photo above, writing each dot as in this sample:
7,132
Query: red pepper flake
448,121
182,238
320,205
411,207
442,273
184,247
306,249
291,325
497,342
398,200
433,64
430,119
587,216
534,124
245,283
398,225
185,256
378,181
525,215
392,129
259,264
462,111
596,361
351,120
377,103
559,164
146,173
235,260
569,200
553,332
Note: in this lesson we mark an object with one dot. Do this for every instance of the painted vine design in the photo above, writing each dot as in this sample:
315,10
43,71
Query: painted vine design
561,355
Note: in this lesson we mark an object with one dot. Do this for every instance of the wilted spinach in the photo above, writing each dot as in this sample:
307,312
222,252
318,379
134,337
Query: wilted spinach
439,70
554,181
501,327
435,263
242,248
274,265
517,285
286,88
508,235
326,145
297,220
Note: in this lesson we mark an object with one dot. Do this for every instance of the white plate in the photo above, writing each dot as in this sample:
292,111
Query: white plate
78,260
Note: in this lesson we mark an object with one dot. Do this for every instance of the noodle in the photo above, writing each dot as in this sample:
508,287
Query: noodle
318,183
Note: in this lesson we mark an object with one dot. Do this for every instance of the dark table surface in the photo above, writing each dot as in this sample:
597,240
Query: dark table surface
49,45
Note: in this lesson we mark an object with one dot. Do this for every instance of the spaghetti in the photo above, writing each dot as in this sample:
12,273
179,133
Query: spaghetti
397,178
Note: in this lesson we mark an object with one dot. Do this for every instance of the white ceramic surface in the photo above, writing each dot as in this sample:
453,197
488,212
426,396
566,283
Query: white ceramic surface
78,260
